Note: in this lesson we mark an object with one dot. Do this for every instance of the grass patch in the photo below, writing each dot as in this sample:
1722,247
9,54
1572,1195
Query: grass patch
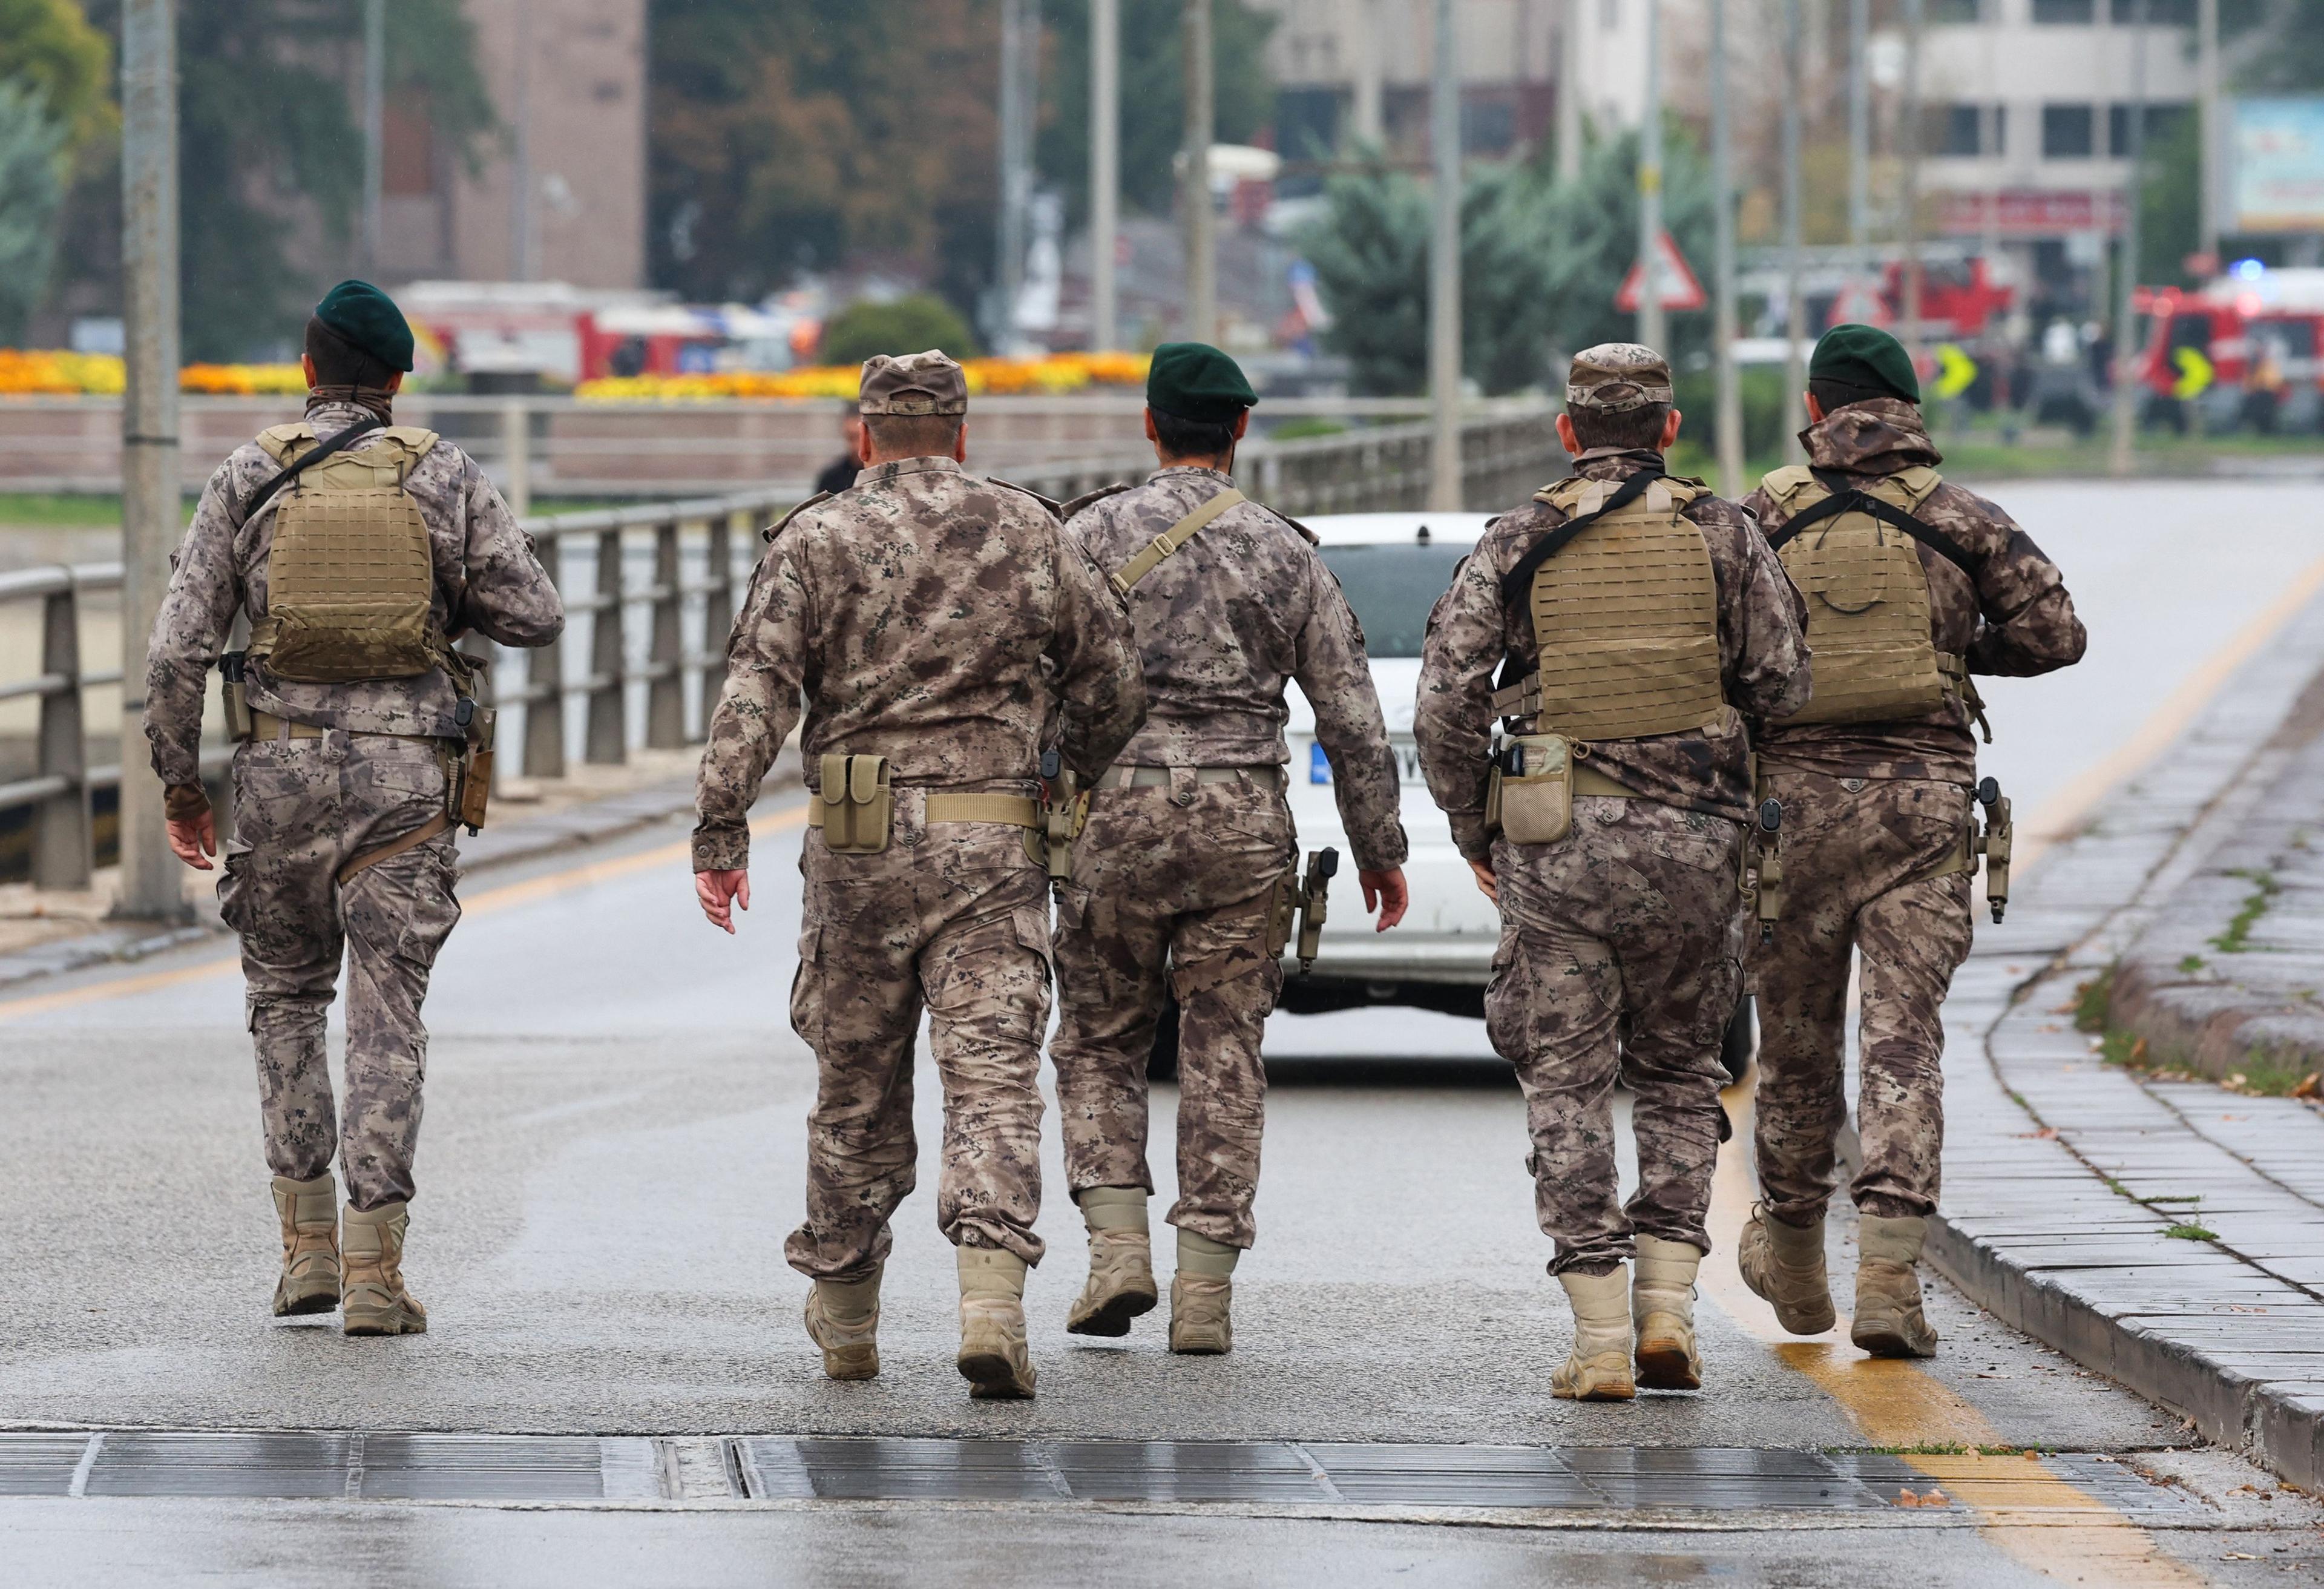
1301,428
2265,1076
2119,1047
2094,1002
2191,964
2236,939
2191,1232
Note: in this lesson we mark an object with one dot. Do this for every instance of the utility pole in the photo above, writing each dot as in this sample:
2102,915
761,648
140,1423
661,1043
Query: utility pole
1444,481
1796,312
522,264
1371,125
1723,318
1911,220
375,122
1859,126
2126,318
1651,328
1009,272
1105,169
1569,93
151,887
2207,71
1201,249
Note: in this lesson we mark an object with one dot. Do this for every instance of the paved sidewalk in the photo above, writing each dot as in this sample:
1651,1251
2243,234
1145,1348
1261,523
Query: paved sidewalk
2169,1234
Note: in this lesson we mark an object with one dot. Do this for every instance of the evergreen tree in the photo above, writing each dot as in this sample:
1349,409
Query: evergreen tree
30,193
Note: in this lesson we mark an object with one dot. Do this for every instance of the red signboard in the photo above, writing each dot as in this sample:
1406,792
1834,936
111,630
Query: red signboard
2024,212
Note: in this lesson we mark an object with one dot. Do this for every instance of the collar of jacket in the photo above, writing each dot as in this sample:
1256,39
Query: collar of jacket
1205,472
1883,436
330,418
1617,463
934,464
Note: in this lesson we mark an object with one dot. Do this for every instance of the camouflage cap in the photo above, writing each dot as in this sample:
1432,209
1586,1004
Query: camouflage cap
1614,376
916,384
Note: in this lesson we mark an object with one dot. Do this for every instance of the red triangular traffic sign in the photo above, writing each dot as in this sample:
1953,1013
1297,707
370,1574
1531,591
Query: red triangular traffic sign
1679,288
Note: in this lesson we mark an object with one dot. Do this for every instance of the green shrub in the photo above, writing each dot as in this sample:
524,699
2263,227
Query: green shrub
911,324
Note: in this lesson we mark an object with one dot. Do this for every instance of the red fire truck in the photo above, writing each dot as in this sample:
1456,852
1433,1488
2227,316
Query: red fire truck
2243,347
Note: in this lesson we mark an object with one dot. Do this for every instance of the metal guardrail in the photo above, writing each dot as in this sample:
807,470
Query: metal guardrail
638,581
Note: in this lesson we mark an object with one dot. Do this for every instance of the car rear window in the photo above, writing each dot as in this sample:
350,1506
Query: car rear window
1392,587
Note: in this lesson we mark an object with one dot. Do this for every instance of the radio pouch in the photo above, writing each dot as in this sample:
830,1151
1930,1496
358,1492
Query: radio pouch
1535,779
856,805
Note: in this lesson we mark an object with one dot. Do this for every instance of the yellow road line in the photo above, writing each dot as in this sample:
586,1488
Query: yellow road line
505,897
2064,811
2042,1521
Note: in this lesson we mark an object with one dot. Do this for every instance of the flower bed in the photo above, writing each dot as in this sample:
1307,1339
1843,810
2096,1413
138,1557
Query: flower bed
1062,372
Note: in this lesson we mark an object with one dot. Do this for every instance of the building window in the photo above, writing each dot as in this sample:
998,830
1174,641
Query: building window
1306,123
2160,14
2162,124
1953,13
1952,130
2067,131
2065,13
1487,126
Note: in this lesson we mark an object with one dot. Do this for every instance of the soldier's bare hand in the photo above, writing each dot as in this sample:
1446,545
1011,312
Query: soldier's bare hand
720,893
1487,884
194,840
1386,893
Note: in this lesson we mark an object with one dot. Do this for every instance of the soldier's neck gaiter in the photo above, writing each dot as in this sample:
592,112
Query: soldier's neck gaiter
377,399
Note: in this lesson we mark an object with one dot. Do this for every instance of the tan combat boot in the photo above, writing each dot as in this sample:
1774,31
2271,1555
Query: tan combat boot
1662,1302
309,1211
993,1358
844,1319
1889,1322
1121,1263
1783,1263
373,1301
1598,1367
1202,1323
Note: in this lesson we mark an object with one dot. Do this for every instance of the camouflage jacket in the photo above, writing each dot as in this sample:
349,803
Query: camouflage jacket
488,580
2016,619
940,620
1238,612
1762,664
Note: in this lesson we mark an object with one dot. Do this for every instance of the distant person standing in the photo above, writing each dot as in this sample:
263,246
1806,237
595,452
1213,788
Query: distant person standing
840,472
359,549
1914,584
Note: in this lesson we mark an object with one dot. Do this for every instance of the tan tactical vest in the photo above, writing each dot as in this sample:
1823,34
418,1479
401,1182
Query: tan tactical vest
1868,600
350,579
1626,619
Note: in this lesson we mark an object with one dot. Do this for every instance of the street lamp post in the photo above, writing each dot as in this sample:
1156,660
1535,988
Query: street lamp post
1723,320
2125,318
1445,269
1795,305
374,115
1202,250
1105,168
1651,328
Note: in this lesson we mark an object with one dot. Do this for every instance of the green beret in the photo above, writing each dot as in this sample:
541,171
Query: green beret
1868,361
1194,381
369,319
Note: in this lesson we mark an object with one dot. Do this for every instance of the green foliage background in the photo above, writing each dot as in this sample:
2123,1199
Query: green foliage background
910,324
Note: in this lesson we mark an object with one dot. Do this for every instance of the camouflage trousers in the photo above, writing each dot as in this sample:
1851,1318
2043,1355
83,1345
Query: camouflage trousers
303,808
951,918
1620,956
1171,883
1854,860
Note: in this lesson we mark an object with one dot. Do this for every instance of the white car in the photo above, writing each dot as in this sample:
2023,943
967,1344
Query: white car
1393,567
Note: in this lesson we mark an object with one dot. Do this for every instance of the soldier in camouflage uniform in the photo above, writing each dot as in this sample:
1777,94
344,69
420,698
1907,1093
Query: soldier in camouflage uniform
939,621
1621,941
1188,835
1876,821
337,772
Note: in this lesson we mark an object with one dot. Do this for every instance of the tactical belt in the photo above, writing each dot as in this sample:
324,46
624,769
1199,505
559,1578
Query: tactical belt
1588,780
1160,777
1011,810
267,725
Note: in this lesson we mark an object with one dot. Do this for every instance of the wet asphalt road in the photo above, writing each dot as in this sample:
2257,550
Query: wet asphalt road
613,1152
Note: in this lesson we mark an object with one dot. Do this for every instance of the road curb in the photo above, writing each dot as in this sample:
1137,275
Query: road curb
2064,1176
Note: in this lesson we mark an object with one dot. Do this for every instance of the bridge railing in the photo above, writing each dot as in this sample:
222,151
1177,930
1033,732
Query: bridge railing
650,593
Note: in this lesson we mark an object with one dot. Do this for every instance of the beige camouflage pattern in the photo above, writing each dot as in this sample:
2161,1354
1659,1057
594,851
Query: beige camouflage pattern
1854,866
938,619
1224,625
1762,664
1620,957
2014,619
1617,376
488,580
954,920
303,808
1169,894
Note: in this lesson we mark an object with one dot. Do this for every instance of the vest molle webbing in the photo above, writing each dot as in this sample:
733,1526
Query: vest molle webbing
350,576
1868,600
1626,617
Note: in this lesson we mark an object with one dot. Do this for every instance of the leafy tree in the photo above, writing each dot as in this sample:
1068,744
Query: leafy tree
1591,229
30,193
2170,203
917,321
49,48
1153,94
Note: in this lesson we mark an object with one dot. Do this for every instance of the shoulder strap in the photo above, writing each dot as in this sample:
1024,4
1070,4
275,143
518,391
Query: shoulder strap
1846,498
775,529
354,432
1518,580
1172,539
1050,503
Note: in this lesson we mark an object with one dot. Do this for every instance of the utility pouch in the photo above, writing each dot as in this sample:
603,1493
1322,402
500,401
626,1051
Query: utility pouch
1537,789
1763,859
2000,835
1282,910
857,804
1315,900
234,694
